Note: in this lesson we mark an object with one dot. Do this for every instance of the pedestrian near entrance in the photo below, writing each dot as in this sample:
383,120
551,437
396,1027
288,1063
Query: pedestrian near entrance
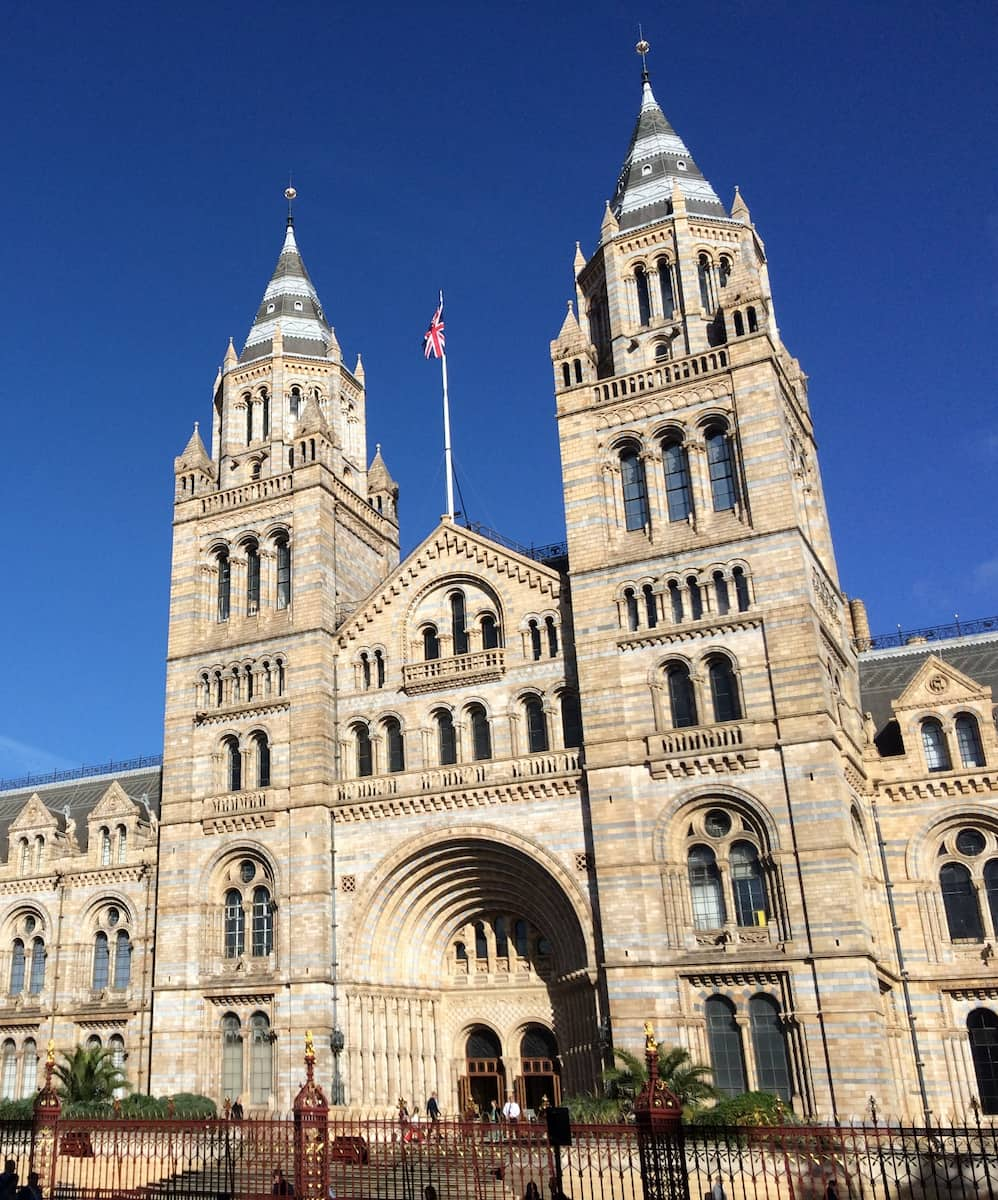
282,1186
433,1108
533,1192
31,1190
8,1180
511,1110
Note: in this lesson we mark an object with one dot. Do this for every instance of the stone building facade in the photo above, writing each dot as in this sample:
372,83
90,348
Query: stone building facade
473,817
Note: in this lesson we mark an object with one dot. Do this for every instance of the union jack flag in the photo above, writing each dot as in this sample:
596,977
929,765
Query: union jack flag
433,340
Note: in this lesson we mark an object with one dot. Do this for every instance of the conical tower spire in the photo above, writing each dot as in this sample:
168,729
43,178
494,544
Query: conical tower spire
656,159
292,301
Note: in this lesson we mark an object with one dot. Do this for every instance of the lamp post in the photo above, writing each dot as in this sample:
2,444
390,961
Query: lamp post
336,1043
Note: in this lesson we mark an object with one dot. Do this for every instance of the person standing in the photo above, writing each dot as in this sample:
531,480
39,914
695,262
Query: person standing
31,1190
511,1111
433,1108
8,1180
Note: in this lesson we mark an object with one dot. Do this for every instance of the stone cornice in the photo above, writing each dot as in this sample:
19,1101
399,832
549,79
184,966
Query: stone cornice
222,716
955,786
664,635
404,806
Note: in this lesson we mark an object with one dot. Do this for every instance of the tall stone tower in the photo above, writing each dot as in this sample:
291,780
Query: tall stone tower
719,690
278,532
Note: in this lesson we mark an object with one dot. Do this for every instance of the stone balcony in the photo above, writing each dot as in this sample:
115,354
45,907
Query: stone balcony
487,773
478,667
702,749
238,810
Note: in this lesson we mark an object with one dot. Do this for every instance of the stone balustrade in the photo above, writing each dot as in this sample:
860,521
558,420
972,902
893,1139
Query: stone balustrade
477,667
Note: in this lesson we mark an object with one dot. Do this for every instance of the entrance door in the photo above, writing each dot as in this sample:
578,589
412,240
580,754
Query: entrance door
485,1078
541,1078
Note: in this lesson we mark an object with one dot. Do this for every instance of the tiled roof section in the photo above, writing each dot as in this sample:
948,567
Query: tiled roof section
884,674
79,796
292,301
656,159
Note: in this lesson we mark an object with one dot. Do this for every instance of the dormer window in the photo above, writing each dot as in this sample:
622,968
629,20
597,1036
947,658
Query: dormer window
270,308
298,306
646,169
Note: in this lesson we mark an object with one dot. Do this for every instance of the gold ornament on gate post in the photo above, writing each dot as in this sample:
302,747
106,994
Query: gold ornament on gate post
311,1113
45,1122
659,1124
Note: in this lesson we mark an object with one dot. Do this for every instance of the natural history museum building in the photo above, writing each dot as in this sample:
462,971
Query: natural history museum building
473,817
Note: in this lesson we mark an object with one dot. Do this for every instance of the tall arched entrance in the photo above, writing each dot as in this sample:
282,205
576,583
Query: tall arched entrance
470,973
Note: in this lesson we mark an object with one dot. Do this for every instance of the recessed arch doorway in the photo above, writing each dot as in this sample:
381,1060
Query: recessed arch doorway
471,943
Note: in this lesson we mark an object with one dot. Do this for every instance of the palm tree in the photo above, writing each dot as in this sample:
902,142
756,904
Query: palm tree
89,1074
689,1081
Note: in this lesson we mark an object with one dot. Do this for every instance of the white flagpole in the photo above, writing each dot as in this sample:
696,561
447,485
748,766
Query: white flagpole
448,465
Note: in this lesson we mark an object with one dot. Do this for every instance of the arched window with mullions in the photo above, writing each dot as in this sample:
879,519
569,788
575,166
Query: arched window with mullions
960,902
721,468
362,750
644,296
741,589
282,548
705,888
535,639
395,744
446,738
537,725
982,1032
262,942
571,720
666,288
8,1069
235,924
991,889
17,961
458,620
747,885
102,962
651,605
29,1072
261,755
675,601
122,959
678,492
723,689
261,1060
36,980
724,1042
682,700
431,643
490,632
233,764
634,488
722,601
968,740
631,608
252,578
551,629
232,1056
705,278
934,745
224,586
772,1063
481,734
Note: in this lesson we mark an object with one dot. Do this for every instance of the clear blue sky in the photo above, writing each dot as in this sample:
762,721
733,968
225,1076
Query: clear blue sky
463,146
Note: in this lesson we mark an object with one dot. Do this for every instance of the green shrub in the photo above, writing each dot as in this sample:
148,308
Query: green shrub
16,1110
750,1108
190,1104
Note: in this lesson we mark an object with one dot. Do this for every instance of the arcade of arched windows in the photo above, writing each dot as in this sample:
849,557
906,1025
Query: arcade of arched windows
684,596
501,945
541,636
705,690
462,621
246,1059
950,742
251,416
28,854
369,669
243,762
248,577
654,293
753,1043
532,724
966,863
251,681
110,845
675,476
19,1074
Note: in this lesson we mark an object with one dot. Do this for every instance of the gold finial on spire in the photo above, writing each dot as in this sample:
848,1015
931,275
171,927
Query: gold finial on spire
50,1054
309,1044
290,194
651,1046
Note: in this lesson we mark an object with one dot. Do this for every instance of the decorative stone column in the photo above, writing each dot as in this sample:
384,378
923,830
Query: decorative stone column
658,1118
44,1139
311,1134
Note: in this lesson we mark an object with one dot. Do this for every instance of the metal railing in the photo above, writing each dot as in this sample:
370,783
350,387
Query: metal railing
109,768
551,552
932,633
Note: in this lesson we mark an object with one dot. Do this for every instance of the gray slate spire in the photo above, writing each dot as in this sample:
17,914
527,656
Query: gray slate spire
292,300
643,195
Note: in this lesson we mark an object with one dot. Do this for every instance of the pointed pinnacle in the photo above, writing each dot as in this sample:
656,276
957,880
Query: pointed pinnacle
333,350
358,371
739,209
230,355
580,259
610,224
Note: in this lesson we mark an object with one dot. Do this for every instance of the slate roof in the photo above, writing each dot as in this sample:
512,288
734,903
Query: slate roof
80,796
884,674
644,196
295,303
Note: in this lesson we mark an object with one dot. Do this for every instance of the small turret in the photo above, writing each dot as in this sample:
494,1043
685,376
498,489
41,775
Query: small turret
573,357
193,468
382,490
333,351
610,227
231,357
739,209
